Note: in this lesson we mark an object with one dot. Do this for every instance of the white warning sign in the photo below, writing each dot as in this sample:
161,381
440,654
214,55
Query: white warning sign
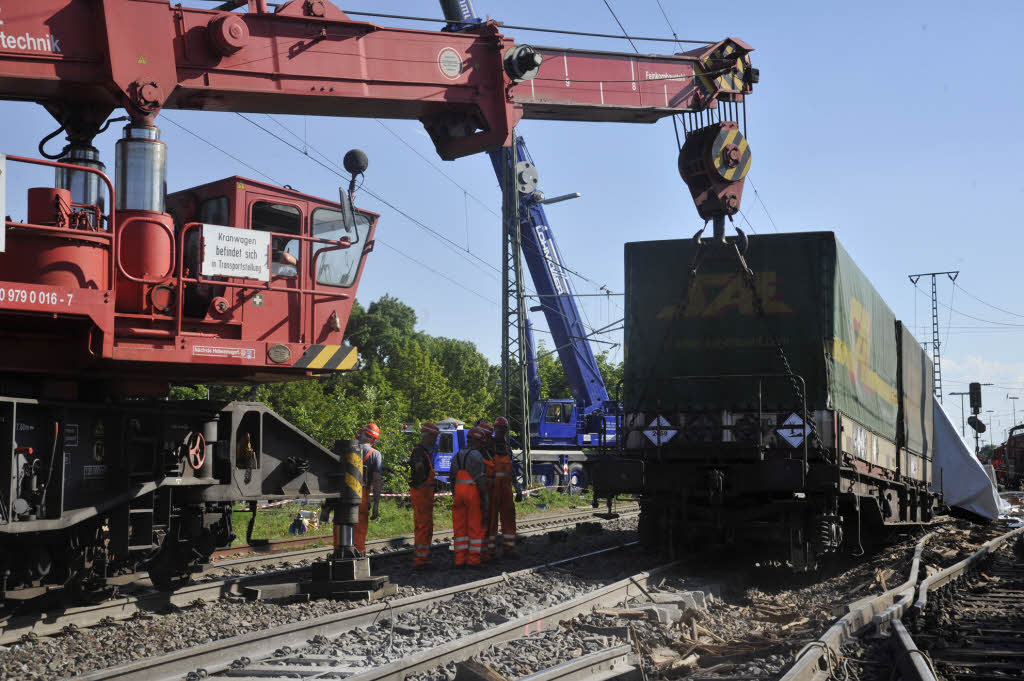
233,252
793,430
660,431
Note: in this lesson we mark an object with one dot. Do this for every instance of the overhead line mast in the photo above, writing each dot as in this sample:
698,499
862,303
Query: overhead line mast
936,346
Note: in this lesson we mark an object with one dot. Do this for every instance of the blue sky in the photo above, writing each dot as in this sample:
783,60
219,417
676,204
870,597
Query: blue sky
893,124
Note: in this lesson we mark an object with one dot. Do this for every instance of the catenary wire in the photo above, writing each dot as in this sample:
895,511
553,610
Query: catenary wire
338,172
977,319
439,170
757,194
537,29
329,165
377,240
625,33
986,304
173,122
675,36
949,318
332,166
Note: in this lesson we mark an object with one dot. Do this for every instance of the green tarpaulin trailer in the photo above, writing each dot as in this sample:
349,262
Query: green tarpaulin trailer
714,437
836,331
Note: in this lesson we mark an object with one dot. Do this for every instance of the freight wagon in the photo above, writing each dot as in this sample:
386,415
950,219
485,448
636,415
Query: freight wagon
789,414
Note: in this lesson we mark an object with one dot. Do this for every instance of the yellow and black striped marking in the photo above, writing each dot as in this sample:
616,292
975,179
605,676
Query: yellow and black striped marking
730,136
732,80
328,357
354,473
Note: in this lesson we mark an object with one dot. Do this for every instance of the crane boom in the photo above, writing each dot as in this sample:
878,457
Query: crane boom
83,58
114,289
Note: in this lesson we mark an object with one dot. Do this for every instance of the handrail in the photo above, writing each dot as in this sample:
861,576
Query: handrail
623,427
199,280
120,266
111,222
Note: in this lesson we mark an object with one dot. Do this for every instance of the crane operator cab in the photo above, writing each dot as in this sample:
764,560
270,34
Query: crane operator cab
231,281
301,230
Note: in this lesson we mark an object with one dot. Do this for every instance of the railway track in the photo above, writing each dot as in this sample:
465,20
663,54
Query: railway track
967,619
391,546
141,598
312,648
970,616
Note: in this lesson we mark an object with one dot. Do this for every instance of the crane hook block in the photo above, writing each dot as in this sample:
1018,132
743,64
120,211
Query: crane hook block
713,162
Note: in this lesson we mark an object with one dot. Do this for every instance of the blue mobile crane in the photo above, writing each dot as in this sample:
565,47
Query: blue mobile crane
561,430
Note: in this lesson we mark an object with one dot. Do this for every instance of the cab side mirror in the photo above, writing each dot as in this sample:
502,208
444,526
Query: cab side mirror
356,163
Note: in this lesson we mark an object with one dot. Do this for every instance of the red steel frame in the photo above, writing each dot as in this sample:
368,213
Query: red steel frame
311,58
81,59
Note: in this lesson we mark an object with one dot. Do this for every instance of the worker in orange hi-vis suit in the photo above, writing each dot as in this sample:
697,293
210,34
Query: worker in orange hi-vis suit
503,507
373,471
488,454
469,508
421,490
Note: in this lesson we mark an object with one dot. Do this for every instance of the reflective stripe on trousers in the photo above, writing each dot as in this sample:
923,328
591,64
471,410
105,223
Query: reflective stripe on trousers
467,520
423,523
502,509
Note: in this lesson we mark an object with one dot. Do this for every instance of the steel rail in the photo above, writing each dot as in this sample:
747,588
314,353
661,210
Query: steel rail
604,665
550,618
985,605
818,659
958,570
912,663
13,628
224,654
527,526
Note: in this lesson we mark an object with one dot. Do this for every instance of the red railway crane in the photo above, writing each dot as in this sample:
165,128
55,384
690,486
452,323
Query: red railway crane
114,289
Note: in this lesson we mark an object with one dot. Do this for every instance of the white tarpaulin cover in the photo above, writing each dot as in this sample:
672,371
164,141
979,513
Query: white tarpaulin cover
963,479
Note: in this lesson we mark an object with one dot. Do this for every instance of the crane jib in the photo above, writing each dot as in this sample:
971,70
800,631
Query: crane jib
470,87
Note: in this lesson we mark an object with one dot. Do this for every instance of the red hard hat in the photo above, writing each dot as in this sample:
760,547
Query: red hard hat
371,430
501,422
429,427
486,427
477,433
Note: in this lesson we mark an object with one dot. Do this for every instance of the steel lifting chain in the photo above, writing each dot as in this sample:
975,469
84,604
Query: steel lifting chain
749,280
678,312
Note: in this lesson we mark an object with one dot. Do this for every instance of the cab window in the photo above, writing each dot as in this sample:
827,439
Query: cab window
284,219
446,444
338,267
215,211
559,413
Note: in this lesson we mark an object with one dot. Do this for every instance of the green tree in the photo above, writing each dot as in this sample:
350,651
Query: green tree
382,330
611,373
416,374
468,373
553,384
